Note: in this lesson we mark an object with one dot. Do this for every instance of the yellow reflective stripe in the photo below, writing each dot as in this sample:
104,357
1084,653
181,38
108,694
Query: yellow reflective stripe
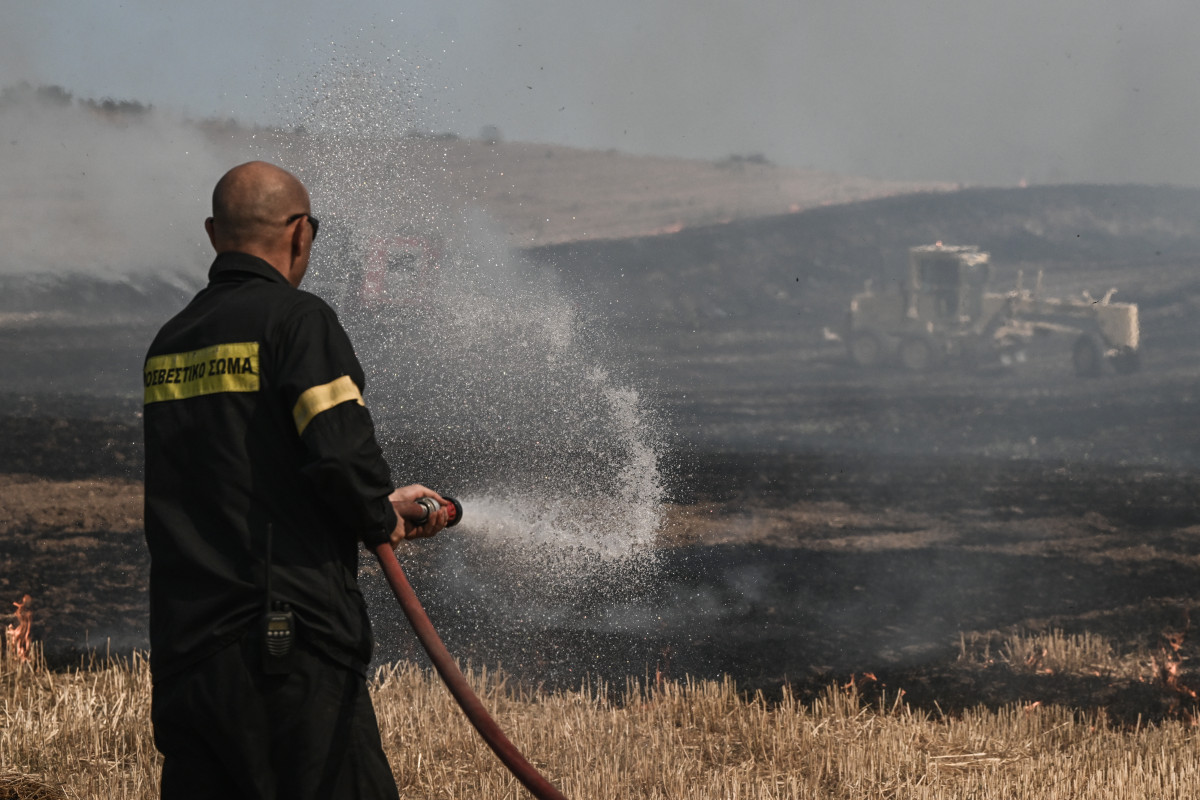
322,398
210,370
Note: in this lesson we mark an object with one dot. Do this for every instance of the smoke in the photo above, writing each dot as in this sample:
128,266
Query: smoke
991,93
1076,91
103,191
490,382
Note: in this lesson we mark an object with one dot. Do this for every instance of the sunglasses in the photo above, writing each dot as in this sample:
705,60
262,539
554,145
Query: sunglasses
316,223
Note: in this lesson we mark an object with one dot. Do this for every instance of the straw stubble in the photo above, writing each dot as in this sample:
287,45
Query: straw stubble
87,732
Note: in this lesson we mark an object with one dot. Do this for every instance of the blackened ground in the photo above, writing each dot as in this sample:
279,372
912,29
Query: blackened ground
822,521
779,564
806,568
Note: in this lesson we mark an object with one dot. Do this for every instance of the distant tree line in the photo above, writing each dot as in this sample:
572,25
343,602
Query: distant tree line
25,93
739,161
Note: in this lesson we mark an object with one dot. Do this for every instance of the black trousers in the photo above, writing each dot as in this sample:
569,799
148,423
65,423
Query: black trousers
228,731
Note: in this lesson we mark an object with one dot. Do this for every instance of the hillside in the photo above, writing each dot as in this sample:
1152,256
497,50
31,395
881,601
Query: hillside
804,266
548,194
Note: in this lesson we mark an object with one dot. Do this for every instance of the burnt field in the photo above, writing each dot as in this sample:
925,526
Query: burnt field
821,522
799,567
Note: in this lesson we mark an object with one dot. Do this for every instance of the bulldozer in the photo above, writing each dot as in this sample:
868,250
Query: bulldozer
943,314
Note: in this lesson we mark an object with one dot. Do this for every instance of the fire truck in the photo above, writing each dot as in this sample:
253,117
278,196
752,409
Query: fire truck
387,272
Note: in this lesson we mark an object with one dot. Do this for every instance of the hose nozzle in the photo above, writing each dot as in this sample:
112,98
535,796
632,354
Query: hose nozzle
454,509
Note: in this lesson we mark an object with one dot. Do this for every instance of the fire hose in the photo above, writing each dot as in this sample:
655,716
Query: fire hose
446,667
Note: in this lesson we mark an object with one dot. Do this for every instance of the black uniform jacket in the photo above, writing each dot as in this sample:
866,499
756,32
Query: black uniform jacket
254,425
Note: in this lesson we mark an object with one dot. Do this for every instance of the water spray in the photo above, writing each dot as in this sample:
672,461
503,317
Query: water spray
445,665
531,420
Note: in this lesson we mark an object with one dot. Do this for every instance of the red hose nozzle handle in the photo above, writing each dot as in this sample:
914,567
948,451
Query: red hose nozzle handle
422,508
453,511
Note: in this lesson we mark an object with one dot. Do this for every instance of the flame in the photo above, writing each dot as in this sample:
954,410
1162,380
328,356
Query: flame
855,682
1166,666
1170,660
1035,659
20,639
1166,671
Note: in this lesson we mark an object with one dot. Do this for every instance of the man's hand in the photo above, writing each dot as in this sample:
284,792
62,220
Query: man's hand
405,528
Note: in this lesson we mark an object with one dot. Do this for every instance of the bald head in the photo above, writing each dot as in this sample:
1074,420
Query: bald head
261,209
252,201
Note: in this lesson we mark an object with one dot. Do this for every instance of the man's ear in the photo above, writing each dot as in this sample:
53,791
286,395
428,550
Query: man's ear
298,263
298,238
211,231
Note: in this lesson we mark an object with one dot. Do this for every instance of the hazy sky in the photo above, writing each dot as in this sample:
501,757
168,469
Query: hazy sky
980,92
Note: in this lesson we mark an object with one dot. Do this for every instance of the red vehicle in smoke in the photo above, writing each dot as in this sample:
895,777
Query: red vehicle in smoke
392,271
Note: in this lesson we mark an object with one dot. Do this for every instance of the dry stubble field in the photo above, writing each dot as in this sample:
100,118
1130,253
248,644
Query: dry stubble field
85,733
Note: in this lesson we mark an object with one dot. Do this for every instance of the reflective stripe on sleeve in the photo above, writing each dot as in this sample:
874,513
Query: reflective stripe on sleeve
221,368
322,398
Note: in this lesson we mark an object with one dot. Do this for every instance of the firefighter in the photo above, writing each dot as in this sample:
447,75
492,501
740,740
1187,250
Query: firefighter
263,475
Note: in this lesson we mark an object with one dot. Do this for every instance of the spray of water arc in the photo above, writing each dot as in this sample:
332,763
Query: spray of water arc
485,379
